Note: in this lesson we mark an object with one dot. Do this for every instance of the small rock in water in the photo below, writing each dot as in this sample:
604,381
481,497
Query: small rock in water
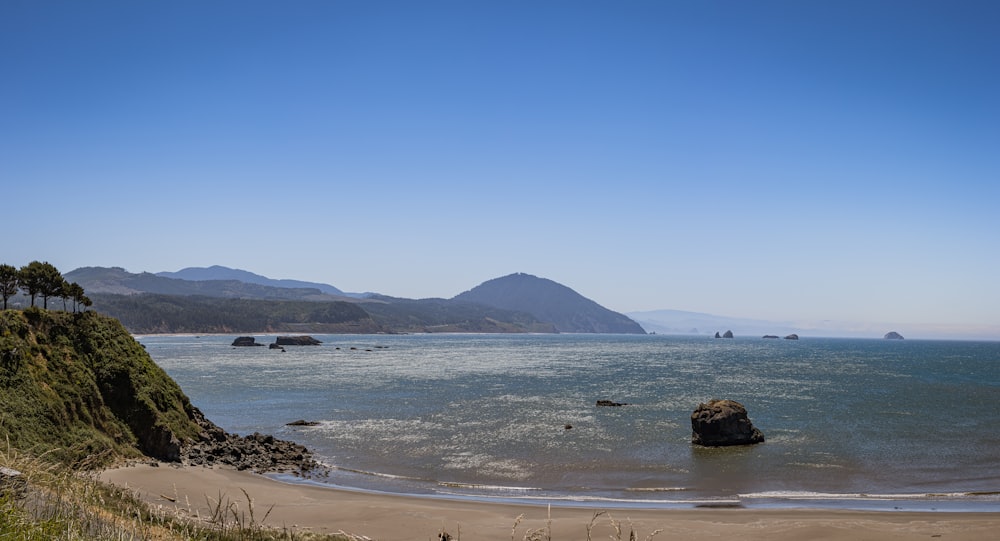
302,422
610,403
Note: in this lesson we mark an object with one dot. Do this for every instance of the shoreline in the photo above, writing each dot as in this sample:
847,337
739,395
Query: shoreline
306,507
933,502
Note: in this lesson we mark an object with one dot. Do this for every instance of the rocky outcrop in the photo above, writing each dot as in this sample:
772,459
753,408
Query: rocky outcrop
260,453
770,336
893,336
244,341
717,335
296,341
792,336
721,423
13,484
727,334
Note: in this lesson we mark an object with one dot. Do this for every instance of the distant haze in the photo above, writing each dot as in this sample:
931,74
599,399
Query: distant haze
681,322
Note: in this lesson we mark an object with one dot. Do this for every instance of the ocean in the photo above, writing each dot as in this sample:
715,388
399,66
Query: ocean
849,423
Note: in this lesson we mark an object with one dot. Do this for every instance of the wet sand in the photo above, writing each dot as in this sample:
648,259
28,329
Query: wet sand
304,508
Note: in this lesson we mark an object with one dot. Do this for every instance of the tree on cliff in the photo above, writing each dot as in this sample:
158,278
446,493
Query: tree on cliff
8,282
40,279
75,292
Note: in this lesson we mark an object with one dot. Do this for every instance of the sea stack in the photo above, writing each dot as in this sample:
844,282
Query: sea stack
721,423
304,340
893,335
244,341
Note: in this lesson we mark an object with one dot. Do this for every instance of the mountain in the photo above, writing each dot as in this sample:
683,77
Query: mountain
218,272
551,302
215,299
116,280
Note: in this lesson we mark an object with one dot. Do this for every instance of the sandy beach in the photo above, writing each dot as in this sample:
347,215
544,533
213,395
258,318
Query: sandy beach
191,490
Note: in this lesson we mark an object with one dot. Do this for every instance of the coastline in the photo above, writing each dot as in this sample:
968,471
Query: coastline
191,490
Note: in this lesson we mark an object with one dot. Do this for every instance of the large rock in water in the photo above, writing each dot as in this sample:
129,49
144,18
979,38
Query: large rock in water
893,336
723,422
296,341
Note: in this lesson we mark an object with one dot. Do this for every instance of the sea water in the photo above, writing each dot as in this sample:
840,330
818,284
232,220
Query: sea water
879,424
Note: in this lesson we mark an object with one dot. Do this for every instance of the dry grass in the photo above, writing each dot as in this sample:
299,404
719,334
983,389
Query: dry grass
64,504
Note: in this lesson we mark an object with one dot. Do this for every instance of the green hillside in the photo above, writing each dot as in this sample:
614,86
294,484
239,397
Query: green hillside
443,315
78,387
150,313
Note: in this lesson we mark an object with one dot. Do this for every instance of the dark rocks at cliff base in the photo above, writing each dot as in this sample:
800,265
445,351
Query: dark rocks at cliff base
244,341
792,336
296,341
721,423
610,404
13,484
893,336
260,453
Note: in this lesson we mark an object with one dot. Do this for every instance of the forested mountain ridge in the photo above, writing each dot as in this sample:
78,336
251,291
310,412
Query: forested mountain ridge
151,313
447,315
218,272
116,280
149,303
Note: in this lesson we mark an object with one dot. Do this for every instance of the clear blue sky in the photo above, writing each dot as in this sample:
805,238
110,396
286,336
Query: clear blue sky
817,160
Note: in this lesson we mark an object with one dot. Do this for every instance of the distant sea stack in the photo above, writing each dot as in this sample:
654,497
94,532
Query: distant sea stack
893,335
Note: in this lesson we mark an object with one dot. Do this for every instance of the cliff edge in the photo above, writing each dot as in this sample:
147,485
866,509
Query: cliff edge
78,388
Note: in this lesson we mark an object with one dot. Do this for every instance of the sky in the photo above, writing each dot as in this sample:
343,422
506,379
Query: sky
803,161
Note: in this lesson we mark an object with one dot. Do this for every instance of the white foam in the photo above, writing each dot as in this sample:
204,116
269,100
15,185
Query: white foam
806,495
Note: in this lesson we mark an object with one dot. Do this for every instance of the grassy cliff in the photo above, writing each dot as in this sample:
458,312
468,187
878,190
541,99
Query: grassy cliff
80,389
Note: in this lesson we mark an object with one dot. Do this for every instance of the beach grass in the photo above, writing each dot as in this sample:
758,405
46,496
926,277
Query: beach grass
60,503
